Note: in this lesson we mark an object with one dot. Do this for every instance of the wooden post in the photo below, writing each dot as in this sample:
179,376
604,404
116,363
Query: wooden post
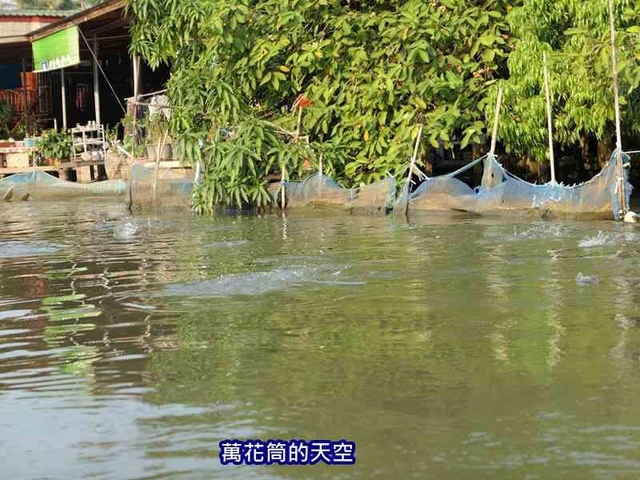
496,121
414,157
282,190
136,76
64,100
159,147
614,62
136,92
96,81
25,98
299,126
283,193
547,89
621,187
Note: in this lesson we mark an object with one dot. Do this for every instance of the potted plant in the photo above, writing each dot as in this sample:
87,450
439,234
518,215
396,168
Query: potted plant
54,147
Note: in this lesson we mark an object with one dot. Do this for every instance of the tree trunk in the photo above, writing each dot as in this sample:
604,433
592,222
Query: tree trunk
477,150
584,148
428,165
605,149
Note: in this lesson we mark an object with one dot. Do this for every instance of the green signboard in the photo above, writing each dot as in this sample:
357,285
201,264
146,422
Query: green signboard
58,50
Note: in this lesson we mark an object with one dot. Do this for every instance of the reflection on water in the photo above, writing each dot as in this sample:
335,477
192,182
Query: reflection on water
448,347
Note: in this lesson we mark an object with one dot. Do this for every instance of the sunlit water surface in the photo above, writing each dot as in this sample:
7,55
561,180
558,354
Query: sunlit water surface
446,347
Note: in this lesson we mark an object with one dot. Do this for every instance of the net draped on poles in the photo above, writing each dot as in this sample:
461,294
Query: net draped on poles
321,190
501,191
41,185
162,188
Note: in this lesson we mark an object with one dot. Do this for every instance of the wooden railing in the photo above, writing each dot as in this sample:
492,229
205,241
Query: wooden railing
30,101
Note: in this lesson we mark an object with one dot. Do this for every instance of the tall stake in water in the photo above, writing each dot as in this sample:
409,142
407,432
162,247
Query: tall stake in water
133,147
547,90
414,157
616,98
299,125
283,194
614,64
159,148
496,122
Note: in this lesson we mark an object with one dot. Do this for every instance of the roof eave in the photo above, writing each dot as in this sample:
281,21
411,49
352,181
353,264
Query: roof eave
77,18
13,39
38,13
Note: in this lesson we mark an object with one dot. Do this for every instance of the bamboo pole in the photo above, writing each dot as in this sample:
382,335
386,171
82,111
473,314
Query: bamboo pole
496,122
282,190
96,82
547,89
159,147
133,152
136,88
414,157
616,99
25,99
283,193
299,126
63,96
614,64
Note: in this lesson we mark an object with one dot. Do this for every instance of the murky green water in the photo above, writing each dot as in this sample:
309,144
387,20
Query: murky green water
446,348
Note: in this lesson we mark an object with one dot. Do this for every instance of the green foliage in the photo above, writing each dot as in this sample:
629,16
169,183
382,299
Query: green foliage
6,113
156,126
55,145
237,164
18,132
127,125
576,37
369,72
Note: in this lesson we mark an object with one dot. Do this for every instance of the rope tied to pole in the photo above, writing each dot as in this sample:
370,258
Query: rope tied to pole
95,58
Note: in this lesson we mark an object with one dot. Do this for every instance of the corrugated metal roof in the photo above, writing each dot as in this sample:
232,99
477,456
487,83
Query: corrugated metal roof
37,13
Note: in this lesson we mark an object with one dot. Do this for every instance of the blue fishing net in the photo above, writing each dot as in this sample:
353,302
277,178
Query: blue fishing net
41,185
321,190
162,188
606,194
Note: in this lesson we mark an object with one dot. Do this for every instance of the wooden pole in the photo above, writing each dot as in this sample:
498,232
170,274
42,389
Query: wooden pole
614,64
283,193
25,99
136,76
299,126
136,92
414,158
64,100
496,122
547,89
616,99
282,190
159,147
96,81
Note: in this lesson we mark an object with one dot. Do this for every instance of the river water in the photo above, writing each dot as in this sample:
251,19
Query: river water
446,347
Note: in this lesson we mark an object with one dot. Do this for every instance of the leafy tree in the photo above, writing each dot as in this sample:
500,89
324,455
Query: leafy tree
576,37
368,73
